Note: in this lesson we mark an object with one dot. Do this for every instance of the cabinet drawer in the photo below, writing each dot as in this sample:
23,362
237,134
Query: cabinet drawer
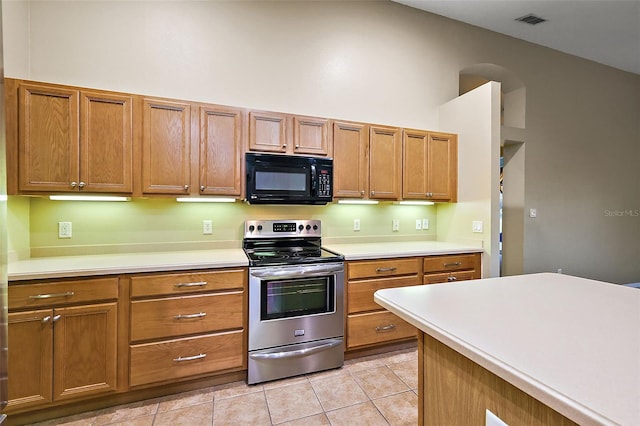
360,293
159,318
62,292
451,263
176,359
446,277
382,268
168,284
376,327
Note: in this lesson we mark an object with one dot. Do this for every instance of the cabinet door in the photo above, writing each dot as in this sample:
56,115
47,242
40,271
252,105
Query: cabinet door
165,147
268,131
442,169
106,143
385,162
414,159
48,141
311,136
350,160
30,358
220,150
85,350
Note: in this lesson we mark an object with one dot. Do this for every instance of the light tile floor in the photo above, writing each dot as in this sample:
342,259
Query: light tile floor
374,390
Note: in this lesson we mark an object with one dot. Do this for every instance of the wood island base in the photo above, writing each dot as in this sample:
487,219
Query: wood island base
454,390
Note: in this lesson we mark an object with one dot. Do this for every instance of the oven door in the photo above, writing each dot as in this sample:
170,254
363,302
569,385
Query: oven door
295,304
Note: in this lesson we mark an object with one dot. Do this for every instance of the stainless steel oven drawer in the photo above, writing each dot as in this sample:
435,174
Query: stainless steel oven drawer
293,360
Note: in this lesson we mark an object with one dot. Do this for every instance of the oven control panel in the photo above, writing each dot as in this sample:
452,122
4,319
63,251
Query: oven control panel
282,228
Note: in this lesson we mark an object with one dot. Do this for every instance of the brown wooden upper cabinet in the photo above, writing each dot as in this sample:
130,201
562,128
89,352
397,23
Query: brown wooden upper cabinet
367,161
166,153
350,160
71,140
221,146
385,162
289,134
429,166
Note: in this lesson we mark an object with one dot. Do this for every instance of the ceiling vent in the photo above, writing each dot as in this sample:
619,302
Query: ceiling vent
531,19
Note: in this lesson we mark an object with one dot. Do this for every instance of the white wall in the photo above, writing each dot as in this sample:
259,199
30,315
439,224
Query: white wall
379,62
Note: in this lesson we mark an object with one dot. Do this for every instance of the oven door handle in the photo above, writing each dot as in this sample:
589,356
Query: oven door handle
296,271
298,352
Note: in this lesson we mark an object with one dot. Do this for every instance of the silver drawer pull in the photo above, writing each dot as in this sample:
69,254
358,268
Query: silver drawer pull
189,358
190,316
380,270
56,318
447,265
452,278
51,295
195,284
46,319
385,328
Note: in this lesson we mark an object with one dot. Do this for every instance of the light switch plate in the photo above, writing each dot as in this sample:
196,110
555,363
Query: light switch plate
418,224
477,226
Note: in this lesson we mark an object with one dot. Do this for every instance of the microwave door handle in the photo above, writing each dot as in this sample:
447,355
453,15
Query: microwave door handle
314,180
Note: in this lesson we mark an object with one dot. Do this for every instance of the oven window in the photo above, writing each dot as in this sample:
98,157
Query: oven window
299,297
281,181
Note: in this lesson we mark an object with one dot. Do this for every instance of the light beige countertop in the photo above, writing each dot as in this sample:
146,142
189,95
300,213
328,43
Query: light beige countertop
387,249
571,343
106,264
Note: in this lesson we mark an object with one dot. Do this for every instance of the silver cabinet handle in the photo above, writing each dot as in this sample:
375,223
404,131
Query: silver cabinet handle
56,318
201,188
81,185
448,265
381,270
373,193
74,184
385,328
186,187
190,316
297,146
361,192
284,145
193,284
46,319
452,278
189,358
51,295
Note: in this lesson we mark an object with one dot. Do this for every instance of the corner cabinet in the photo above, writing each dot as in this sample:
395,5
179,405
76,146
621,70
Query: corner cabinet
68,341
187,325
430,168
71,140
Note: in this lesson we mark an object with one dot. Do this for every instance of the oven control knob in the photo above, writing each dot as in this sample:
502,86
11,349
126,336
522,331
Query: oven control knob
315,227
259,227
251,228
308,227
301,227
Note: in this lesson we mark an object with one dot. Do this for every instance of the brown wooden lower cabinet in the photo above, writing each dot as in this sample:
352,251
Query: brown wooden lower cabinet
64,353
453,390
377,327
179,358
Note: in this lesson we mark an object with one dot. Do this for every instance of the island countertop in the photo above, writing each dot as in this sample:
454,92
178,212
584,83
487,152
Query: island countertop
569,342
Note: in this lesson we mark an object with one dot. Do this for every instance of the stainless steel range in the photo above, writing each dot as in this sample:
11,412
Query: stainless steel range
296,300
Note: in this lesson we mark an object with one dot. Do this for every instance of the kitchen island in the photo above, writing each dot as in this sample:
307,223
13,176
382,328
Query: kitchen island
533,349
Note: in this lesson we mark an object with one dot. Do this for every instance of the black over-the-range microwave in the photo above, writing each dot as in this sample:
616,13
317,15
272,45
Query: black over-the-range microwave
288,179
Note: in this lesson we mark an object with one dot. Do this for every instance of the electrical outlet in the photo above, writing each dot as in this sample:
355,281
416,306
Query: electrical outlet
395,225
425,223
418,224
533,213
356,224
64,229
207,227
